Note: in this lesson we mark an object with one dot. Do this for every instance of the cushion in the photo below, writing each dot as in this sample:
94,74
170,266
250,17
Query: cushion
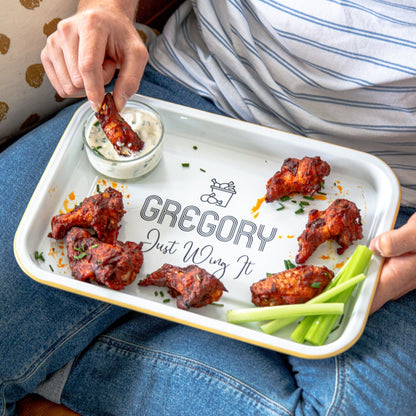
26,95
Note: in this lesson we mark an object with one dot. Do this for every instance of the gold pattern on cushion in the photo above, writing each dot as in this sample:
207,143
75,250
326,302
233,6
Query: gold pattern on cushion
4,43
24,85
34,75
50,27
4,108
30,4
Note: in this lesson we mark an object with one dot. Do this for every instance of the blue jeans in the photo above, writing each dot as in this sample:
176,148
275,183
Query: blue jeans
100,359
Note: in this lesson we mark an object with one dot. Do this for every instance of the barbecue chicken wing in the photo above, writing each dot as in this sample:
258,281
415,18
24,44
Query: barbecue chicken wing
102,212
124,139
303,176
341,222
191,285
114,266
297,285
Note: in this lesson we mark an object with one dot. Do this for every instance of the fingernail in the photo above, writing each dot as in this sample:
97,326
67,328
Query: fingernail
121,102
376,246
94,105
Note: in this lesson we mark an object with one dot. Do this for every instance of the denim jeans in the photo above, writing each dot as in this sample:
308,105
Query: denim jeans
100,359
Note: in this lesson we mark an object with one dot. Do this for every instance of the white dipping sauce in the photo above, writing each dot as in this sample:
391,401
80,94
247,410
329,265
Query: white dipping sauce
106,160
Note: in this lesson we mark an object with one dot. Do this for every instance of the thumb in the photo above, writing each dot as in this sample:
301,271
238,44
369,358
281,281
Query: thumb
396,242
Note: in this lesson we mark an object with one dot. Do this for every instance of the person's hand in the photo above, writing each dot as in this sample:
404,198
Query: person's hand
81,56
398,275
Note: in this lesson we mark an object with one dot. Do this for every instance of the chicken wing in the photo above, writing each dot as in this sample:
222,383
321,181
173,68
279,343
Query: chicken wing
114,266
303,176
102,212
341,222
297,285
191,285
124,139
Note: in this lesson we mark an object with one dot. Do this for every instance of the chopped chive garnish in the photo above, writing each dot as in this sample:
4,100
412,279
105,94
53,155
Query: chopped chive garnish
202,170
97,151
322,185
185,165
285,198
303,203
166,300
52,270
197,276
316,284
321,193
94,246
156,292
294,201
161,294
39,256
217,304
289,265
98,189
195,147
269,274
81,256
281,207
96,124
300,211
99,261
311,198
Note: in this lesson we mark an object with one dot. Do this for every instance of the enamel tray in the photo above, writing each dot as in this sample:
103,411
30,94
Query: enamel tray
211,213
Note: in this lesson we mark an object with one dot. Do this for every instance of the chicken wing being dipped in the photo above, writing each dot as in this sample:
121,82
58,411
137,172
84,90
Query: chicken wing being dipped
191,285
303,176
114,266
125,140
292,286
102,212
341,222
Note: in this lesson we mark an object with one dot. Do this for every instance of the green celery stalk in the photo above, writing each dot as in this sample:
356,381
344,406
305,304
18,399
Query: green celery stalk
273,326
317,330
238,316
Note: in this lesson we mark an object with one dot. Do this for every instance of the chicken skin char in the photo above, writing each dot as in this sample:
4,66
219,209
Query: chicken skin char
114,266
303,176
102,212
191,285
341,222
292,286
123,138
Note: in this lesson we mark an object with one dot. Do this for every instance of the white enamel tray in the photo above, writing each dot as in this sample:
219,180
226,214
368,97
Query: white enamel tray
208,213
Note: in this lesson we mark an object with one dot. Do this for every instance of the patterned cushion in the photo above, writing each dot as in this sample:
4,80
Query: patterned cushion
26,95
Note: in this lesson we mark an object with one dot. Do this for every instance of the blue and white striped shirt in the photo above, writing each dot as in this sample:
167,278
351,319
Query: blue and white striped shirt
342,71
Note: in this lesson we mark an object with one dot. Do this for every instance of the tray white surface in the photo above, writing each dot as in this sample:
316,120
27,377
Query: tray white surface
182,218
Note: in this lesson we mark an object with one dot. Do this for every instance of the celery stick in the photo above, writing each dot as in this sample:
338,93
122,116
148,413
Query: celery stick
321,327
238,316
273,326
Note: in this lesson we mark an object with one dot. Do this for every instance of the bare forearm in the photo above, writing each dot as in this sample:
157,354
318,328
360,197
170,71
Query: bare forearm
127,7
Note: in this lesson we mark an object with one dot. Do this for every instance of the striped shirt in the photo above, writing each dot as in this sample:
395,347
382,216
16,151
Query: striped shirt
342,71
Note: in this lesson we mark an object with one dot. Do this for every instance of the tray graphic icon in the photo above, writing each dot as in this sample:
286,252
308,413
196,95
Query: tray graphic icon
221,193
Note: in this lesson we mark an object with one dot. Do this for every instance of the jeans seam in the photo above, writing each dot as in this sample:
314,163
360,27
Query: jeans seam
203,368
29,371
339,387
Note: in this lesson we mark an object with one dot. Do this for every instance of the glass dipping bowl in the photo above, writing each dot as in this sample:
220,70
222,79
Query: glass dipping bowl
143,119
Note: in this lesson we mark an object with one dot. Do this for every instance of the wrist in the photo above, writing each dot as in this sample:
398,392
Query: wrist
125,7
